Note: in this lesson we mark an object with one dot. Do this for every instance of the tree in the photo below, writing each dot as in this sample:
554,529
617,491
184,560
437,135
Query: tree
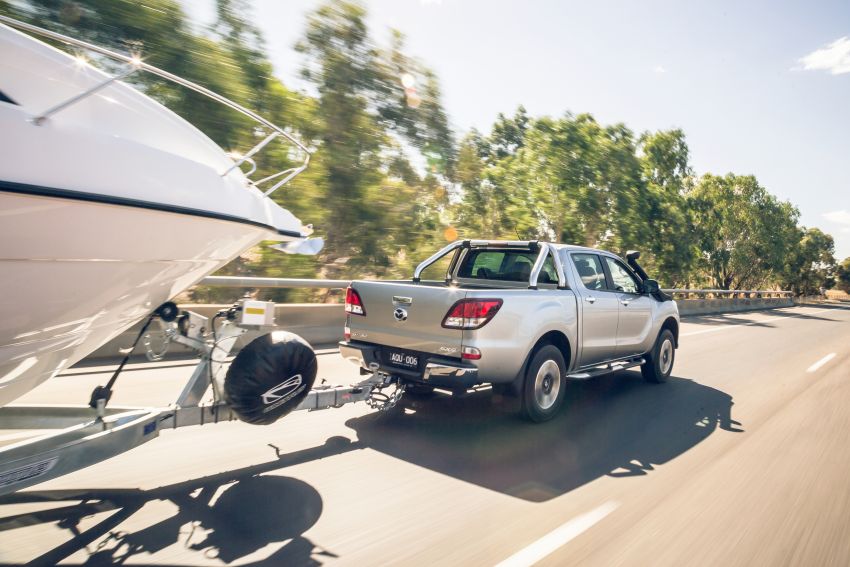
842,276
366,98
667,179
743,232
490,206
810,262
571,180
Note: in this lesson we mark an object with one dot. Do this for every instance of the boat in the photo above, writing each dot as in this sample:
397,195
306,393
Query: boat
110,203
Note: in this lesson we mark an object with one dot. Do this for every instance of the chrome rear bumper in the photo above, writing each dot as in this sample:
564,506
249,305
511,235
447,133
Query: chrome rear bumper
437,371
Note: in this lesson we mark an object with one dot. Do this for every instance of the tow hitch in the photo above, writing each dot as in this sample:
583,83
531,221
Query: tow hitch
386,392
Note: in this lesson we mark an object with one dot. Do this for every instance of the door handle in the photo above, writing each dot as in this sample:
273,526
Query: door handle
625,302
590,299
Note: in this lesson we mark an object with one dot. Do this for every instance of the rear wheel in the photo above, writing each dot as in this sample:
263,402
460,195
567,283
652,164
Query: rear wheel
659,361
544,386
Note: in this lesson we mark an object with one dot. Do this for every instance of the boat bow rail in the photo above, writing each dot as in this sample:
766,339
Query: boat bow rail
266,128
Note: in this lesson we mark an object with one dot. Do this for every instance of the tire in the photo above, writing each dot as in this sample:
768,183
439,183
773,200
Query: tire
543,391
659,361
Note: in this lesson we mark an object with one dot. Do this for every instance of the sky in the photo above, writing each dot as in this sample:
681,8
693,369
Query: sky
759,87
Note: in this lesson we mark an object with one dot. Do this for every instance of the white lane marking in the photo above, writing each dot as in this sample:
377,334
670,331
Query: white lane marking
733,325
814,367
558,537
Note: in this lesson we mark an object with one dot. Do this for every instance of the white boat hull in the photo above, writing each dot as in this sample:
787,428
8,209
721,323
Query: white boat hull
108,208
76,274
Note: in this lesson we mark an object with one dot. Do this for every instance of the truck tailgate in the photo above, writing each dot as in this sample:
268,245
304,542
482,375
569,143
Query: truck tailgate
418,324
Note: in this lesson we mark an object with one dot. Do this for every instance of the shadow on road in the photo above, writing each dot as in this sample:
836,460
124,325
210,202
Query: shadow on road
616,426
743,318
229,516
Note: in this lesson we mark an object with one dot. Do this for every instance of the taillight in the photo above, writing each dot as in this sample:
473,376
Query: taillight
353,303
470,353
471,313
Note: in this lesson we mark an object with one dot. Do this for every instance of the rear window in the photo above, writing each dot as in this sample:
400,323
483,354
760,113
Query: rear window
505,265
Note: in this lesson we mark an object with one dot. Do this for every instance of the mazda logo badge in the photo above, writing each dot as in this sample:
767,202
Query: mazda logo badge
400,314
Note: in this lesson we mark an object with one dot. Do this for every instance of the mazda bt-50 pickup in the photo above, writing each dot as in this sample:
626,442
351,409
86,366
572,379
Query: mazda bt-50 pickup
524,316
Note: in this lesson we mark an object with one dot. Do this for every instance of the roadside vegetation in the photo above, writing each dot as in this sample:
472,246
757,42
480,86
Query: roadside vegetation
390,182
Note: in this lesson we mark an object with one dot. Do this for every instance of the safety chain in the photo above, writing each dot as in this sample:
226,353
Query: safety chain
384,401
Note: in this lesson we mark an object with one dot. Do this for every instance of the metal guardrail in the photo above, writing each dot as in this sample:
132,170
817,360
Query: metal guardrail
727,293
238,281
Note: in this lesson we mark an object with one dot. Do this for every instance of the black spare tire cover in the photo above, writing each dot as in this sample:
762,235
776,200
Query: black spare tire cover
270,377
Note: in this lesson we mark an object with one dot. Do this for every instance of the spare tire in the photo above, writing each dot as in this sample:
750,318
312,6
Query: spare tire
270,377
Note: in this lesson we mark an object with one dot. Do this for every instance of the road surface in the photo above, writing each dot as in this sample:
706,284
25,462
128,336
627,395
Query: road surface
742,458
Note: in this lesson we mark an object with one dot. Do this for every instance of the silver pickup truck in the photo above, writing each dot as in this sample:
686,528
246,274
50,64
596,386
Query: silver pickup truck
522,316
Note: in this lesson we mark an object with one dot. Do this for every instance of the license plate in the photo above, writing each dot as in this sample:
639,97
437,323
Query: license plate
403,359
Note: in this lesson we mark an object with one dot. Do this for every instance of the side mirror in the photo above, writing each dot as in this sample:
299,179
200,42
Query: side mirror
651,287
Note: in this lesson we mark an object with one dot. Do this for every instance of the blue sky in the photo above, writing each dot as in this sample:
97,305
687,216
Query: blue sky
758,87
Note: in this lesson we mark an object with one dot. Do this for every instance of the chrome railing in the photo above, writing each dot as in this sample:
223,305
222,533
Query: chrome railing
135,64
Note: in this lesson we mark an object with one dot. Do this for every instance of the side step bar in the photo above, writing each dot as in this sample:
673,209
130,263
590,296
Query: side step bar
606,369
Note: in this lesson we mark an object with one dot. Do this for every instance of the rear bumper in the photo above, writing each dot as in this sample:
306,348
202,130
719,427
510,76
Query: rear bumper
433,370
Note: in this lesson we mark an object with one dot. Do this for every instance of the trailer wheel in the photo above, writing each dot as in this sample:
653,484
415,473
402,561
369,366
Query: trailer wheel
545,385
659,361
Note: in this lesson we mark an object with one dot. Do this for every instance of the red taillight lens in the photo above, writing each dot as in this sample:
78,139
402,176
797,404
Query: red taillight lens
471,313
353,303
470,353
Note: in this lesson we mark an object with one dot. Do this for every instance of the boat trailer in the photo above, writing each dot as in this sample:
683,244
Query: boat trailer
79,436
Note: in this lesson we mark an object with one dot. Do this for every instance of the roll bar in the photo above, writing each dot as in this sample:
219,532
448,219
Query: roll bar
546,249
543,250
417,273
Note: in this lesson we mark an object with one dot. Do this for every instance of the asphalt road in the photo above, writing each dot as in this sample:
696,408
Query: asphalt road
742,458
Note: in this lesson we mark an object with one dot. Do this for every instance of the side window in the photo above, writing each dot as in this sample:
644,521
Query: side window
590,270
623,280
505,265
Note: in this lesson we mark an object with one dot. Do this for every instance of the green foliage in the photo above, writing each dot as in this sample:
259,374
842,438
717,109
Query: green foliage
809,264
575,180
387,185
743,232
842,276
377,206
667,177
